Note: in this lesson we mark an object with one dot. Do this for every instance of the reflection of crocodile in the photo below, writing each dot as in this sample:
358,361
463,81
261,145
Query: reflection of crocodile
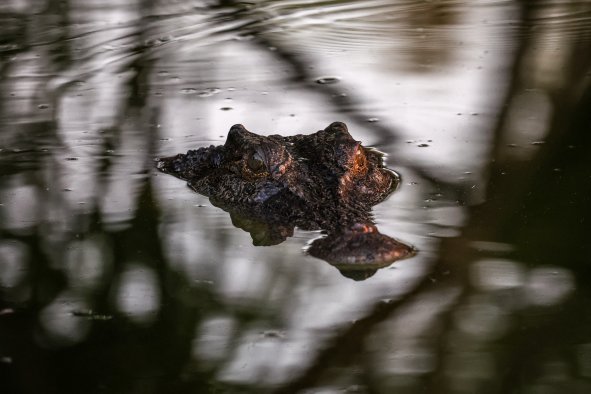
322,181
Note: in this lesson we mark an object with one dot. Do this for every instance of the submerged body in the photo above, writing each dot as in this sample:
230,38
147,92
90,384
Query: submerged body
320,181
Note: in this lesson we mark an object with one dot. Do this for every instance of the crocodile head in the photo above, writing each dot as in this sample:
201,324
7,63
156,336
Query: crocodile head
325,180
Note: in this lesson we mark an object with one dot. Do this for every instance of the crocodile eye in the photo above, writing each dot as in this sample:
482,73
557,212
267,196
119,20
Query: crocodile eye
255,163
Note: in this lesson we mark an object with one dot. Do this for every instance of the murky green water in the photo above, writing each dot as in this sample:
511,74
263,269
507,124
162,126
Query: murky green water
117,279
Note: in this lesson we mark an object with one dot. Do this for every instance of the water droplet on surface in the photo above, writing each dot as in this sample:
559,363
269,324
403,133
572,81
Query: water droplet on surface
328,80
71,158
423,145
373,120
226,108
188,91
43,106
538,143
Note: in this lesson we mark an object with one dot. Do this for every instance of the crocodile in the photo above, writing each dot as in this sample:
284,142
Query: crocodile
273,184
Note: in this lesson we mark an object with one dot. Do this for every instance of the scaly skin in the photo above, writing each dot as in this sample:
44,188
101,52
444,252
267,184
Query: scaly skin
325,180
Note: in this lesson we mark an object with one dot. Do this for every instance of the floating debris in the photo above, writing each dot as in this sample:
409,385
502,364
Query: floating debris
91,315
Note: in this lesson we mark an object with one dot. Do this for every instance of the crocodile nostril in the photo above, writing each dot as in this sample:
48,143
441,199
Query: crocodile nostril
237,128
338,127
236,135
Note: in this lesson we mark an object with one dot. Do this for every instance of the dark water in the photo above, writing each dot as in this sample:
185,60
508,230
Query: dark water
118,279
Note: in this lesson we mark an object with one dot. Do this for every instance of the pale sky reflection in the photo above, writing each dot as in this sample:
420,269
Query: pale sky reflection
137,294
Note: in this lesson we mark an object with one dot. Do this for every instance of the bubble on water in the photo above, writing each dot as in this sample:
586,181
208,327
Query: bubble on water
273,334
328,80
373,120
188,91
423,145
163,73
209,92
43,106
71,158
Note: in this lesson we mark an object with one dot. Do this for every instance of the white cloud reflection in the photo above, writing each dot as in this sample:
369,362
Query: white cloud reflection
14,258
549,285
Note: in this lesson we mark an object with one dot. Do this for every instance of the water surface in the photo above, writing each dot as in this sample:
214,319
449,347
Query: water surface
116,278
